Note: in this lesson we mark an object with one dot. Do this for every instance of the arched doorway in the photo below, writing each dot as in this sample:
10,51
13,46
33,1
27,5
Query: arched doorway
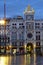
29,47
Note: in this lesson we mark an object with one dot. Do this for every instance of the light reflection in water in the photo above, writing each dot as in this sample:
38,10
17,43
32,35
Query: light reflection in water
34,59
25,60
5,60
21,60
28,61
15,60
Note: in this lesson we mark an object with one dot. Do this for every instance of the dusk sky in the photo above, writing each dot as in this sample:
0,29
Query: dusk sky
17,7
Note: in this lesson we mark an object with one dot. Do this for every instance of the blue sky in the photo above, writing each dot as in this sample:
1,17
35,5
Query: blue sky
17,7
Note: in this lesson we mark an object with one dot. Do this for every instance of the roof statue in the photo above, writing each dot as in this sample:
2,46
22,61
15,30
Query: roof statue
33,10
29,10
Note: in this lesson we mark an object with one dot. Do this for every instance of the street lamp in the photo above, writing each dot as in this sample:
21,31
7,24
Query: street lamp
4,9
2,22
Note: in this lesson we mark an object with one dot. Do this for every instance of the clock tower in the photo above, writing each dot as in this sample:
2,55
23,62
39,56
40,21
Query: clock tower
29,13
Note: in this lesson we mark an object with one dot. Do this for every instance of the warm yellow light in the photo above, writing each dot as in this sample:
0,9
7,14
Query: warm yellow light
7,47
34,45
4,60
2,22
25,46
1,46
10,46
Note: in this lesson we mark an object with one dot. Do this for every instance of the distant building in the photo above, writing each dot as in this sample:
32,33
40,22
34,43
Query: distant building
24,32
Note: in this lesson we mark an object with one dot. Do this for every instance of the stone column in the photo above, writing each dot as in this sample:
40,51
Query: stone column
10,43
17,41
25,47
34,48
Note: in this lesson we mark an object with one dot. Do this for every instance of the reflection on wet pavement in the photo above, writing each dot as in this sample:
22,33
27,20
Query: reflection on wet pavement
21,60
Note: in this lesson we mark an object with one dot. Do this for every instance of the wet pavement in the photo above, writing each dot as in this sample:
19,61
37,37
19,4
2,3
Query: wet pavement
21,60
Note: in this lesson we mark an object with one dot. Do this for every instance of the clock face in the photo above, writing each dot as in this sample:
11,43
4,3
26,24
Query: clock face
29,35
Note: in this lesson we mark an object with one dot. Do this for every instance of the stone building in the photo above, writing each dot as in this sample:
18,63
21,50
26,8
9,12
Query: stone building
23,34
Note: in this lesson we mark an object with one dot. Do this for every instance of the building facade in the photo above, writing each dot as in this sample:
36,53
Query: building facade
23,34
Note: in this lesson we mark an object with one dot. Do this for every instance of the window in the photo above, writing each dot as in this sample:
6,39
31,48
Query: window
37,23
8,27
42,25
14,35
8,39
37,27
30,25
37,37
37,32
15,43
20,23
37,43
1,40
21,36
23,26
14,25
21,44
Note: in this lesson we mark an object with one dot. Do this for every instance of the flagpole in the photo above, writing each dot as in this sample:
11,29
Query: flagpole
5,24
4,9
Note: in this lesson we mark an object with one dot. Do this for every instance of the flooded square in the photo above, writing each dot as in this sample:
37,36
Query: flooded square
21,60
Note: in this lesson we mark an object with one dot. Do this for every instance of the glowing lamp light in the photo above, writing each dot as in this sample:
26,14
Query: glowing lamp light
25,46
7,48
2,22
34,45
10,46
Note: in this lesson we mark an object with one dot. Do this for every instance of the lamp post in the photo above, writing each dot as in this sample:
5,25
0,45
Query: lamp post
4,9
